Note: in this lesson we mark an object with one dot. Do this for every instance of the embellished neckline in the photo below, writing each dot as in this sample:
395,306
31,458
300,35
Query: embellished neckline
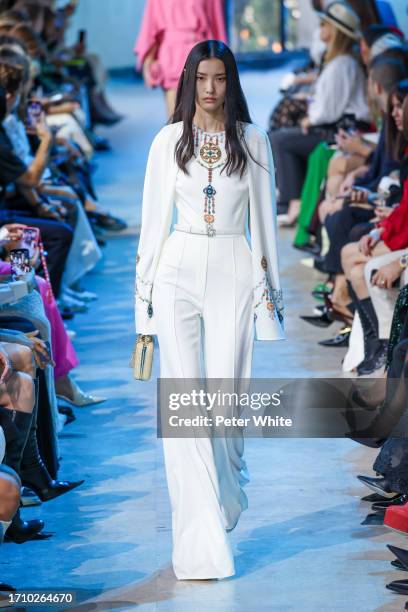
196,127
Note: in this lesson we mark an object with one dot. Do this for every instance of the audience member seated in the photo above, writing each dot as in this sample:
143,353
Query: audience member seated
51,99
339,91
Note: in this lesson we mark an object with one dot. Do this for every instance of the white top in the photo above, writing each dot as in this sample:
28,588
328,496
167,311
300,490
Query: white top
340,89
231,197
167,187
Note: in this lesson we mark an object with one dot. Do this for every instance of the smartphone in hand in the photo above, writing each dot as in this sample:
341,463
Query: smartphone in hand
30,240
20,262
34,113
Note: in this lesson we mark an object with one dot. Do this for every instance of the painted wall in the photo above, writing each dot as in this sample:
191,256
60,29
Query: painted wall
112,28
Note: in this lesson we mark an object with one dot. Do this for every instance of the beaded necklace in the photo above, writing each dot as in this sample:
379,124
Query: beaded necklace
208,154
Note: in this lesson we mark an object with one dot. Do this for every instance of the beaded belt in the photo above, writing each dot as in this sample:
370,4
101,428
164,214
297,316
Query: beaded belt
190,229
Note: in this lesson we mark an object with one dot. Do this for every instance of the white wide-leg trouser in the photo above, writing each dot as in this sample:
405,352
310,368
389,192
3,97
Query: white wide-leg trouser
202,299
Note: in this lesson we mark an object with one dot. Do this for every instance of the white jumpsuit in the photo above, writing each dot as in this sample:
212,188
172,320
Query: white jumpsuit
203,303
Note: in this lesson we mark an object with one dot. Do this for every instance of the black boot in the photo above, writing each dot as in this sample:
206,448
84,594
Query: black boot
34,473
376,360
375,350
20,531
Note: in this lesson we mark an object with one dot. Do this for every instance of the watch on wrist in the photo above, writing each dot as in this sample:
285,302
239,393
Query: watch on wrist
403,262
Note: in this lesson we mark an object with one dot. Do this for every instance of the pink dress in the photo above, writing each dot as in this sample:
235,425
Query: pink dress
63,351
176,26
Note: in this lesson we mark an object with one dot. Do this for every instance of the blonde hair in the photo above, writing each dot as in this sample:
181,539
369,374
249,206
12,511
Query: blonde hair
340,45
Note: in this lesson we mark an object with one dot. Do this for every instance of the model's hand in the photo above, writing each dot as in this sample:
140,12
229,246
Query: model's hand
386,276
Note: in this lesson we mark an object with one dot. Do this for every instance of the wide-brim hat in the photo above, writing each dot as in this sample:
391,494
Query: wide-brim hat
343,17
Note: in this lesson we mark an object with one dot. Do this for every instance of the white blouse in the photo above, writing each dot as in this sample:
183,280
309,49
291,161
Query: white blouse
231,192
166,187
340,89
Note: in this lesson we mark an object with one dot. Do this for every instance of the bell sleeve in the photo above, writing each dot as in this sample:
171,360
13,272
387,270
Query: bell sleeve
267,293
157,214
149,32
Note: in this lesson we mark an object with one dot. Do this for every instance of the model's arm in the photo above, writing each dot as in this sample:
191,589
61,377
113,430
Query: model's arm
146,43
262,206
155,227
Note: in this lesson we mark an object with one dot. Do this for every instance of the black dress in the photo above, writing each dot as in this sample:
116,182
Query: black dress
392,462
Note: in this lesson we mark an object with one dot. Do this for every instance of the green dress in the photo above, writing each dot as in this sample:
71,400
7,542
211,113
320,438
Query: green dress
317,167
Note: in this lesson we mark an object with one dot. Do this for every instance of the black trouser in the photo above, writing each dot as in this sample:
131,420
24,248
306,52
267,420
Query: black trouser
56,236
340,228
291,149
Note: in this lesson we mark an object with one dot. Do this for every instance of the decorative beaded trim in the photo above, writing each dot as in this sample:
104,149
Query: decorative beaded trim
138,295
271,297
208,153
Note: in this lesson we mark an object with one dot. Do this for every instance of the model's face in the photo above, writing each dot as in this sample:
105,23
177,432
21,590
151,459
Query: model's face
397,113
327,31
211,81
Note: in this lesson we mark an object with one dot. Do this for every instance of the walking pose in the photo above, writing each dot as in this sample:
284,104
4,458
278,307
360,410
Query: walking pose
203,290
169,30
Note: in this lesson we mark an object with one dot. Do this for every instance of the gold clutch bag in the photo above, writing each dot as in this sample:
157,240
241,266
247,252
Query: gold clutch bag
142,357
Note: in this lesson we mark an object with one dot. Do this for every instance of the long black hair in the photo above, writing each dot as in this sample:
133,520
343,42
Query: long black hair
235,107
396,141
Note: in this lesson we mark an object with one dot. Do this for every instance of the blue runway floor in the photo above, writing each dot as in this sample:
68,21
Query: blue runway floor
299,546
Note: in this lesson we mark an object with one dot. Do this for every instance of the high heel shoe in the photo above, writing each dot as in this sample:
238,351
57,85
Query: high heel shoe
399,500
22,531
78,397
323,320
39,480
328,316
398,565
7,587
29,498
107,221
401,554
340,340
378,485
33,472
398,586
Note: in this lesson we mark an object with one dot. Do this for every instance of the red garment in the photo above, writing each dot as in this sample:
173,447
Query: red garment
395,234
176,26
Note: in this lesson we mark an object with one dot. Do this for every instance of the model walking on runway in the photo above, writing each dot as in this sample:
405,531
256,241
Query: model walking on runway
201,287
